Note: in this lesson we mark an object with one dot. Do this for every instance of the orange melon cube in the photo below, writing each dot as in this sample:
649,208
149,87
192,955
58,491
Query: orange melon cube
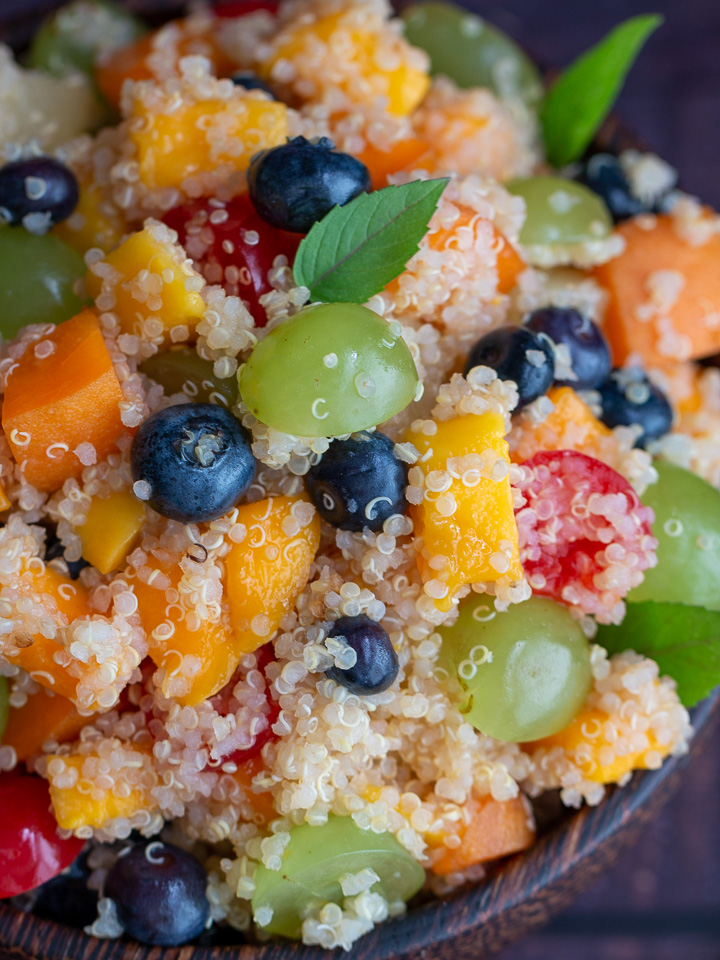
45,718
571,426
62,393
495,829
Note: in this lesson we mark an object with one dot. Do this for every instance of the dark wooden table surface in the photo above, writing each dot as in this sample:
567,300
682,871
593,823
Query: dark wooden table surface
662,899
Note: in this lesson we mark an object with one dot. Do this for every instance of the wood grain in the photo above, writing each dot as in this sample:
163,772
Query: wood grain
473,923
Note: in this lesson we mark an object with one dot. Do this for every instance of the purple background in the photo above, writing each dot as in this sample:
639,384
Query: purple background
662,899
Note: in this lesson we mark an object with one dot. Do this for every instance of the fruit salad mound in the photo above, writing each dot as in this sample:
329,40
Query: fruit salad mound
359,462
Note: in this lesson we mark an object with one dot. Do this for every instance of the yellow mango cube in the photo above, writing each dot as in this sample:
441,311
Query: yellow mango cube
85,804
465,523
112,526
4,500
585,741
152,279
94,223
198,138
270,567
355,58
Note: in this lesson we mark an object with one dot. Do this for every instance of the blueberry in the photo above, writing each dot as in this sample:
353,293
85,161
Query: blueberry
196,460
67,900
586,343
605,176
41,185
515,353
359,482
628,397
376,666
54,550
295,185
251,81
159,894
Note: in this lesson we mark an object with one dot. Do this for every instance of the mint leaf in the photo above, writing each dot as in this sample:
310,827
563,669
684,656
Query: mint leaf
684,641
356,250
581,98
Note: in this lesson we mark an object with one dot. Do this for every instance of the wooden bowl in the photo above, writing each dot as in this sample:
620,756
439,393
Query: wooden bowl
473,923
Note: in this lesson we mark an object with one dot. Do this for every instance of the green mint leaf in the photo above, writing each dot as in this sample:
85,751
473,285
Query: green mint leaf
356,250
684,641
582,97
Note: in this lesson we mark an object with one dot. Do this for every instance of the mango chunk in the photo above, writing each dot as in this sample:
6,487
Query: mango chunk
267,570
495,829
87,804
5,503
571,426
263,803
63,393
111,529
465,523
585,740
664,294
199,138
198,662
44,718
151,279
95,223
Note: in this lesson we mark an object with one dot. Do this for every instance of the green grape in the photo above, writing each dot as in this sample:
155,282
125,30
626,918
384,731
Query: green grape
4,705
328,371
69,40
181,370
471,51
526,673
315,860
36,280
687,526
560,211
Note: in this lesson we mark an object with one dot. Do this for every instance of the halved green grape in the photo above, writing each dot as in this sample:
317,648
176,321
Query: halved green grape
36,280
181,370
526,672
69,40
472,52
328,371
687,526
560,211
313,864
4,705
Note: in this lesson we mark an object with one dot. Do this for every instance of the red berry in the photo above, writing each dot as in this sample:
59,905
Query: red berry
222,702
239,8
585,537
231,245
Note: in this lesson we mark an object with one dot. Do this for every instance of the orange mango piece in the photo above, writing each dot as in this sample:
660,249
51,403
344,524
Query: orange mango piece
402,155
585,741
198,662
571,426
200,137
509,263
68,395
131,62
112,526
262,803
146,259
5,503
37,658
86,805
496,829
637,320
44,718
473,527
267,571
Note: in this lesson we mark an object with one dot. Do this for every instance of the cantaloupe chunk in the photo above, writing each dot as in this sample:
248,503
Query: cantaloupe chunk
111,528
44,718
571,426
496,829
267,571
85,804
586,742
37,658
198,662
664,294
402,155
262,803
153,279
196,138
5,503
63,393
509,263
473,527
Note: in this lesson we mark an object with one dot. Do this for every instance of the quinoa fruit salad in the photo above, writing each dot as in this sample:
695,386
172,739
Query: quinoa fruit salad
359,462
